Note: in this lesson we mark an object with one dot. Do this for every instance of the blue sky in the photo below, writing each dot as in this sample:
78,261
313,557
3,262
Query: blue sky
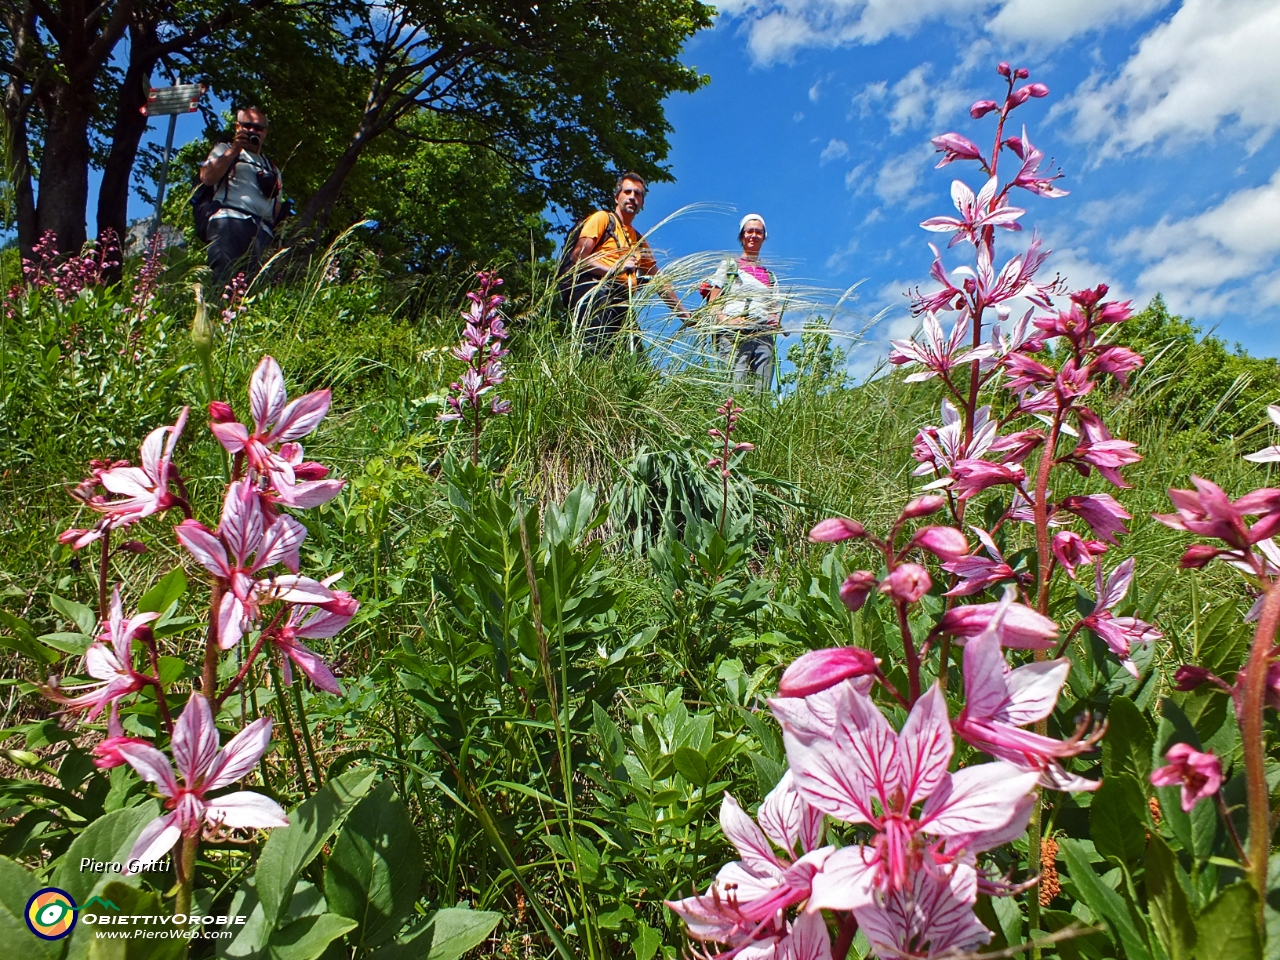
1162,116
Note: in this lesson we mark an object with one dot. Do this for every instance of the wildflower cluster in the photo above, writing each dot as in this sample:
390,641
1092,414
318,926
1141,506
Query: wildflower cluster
724,461
67,276
911,877
482,351
233,295
144,285
253,607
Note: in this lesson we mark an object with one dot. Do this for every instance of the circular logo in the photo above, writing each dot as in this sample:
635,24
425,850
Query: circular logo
51,913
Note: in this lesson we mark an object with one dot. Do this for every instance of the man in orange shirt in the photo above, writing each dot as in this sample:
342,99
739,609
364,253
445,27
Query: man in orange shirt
609,259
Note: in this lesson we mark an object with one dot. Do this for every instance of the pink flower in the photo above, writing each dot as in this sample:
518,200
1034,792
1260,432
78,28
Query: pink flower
110,661
923,507
1269,454
318,622
865,773
907,583
106,754
948,297
974,476
1028,177
745,900
855,589
244,545
976,213
977,572
819,669
1099,449
203,769
1118,633
144,490
939,449
1200,774
836,529
998,701
933,918
1119,362
938,353
1208,511
1072,550
1020,627
276,422
1101,511
946,543
953,146
982,107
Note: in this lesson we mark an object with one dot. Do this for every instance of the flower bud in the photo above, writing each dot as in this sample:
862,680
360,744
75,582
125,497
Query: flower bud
744,447
1003,69
1021,627
1188,677
819,670
201,330
908,583
855,589
923,506
1036,89
1197,556
1019,96
1022,73
836,529
946,543
133,546
982,108
310,470
220,412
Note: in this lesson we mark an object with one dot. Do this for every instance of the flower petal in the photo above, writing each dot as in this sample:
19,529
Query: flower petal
266,394
245,810
240,754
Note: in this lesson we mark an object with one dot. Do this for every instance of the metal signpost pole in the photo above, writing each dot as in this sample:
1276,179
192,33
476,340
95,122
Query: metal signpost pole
170,101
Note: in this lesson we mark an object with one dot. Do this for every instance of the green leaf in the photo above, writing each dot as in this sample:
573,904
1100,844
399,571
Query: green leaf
1227,929
1127,746
17,884
1197,830
691,765
1102,900
136,901
73,643
311,824
308,937
79,614
646,942
109,839
446,935
165,593
1117,819
375,869
1167,901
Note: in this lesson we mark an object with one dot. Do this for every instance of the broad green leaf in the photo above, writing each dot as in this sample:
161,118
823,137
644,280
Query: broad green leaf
1197,830
79,614
1127,746
646,942
1117,819
165,593
134,900
1227,929
17,884
308,937
311,824
691,765
1170,909
375,869
458,929
109,840
74,644
1102,900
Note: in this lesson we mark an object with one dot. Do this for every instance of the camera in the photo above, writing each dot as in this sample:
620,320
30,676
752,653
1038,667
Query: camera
255,139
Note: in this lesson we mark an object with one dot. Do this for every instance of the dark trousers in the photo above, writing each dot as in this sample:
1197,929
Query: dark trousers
599,310
235,246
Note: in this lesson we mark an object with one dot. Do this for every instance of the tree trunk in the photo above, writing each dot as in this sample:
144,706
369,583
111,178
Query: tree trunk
64,166
24,196
126,135
315,215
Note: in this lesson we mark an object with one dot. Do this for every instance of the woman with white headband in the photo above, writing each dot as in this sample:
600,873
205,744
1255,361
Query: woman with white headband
748,310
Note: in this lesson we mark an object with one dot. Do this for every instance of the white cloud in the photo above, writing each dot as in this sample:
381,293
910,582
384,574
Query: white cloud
1214,64
1215,259
777,29
856,179
839,258
834,150
899,176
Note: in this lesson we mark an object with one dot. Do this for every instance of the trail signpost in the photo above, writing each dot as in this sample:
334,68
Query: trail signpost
170,101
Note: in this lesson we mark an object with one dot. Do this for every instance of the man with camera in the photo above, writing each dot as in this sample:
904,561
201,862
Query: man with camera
246,189
609,260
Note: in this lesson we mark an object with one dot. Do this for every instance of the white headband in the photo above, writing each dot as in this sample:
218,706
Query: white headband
742,224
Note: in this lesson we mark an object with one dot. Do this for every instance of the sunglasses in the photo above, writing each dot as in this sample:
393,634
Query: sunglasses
256,127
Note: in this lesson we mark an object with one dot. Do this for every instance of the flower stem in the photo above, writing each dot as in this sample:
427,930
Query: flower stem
186,868
1251,735
306,733
209,678
844,939
104,567
287,723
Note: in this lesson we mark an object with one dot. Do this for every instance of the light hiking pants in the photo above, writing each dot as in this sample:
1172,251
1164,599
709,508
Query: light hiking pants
749,356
